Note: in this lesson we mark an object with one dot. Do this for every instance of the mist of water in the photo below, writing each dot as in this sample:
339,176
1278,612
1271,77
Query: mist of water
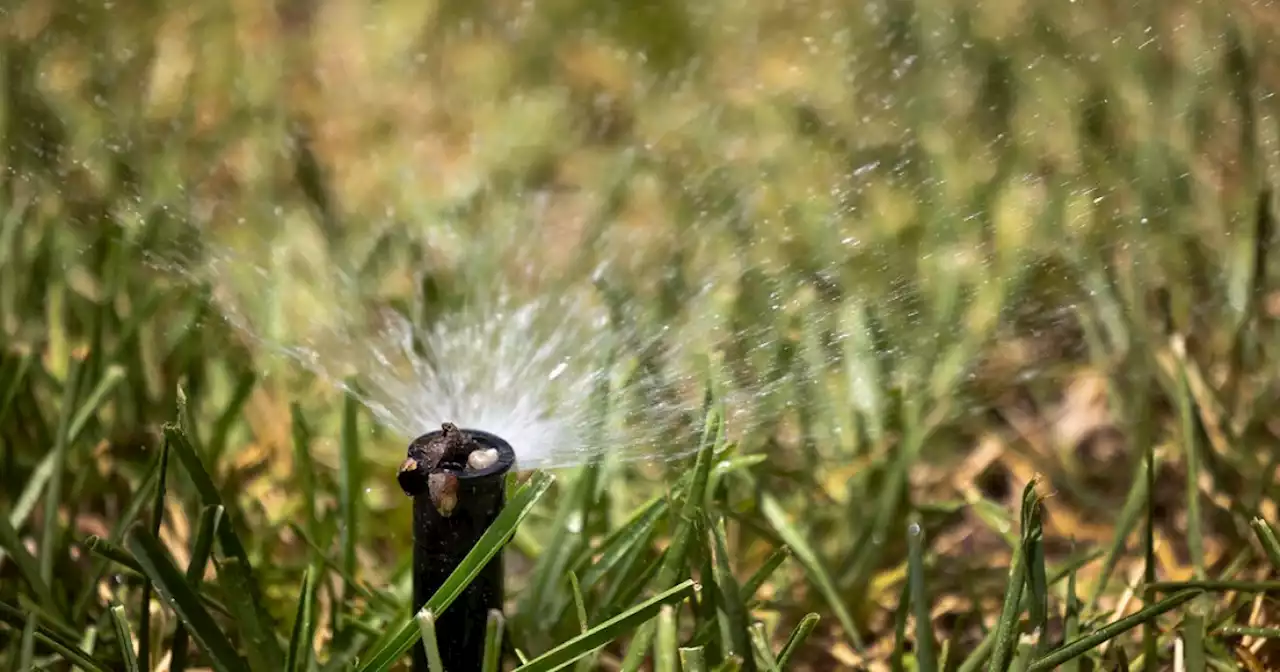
535,368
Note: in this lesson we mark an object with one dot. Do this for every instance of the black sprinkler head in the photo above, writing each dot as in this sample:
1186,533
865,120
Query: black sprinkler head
457,479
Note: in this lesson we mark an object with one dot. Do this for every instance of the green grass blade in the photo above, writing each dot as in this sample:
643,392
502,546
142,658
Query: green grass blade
125,638
53,493
178,593
638,648
88,642
632,534
1242,631
920,602
1267,537
216,446
766,570
578,603
493,642
252,619
1006,629
606,632
1191,451
349,480
66,648
15,384
731,602
693,659
373,596
797,638
792,537
1193,631
1032,540
1080,646
760,645
300,652
210,518
427,628
1218,586
405,635
695,496
304,469
74,655
157,519
634,573
562,544
1023,653
900,628
1071,621
48,619
31,492
27,564
665,648
93,402
716,632
131,514
1149,634
1133,507
109,551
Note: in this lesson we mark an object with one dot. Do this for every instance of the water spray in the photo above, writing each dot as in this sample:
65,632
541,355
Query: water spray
457,480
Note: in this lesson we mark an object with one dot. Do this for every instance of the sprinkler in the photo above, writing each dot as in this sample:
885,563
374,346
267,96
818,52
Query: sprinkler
457,480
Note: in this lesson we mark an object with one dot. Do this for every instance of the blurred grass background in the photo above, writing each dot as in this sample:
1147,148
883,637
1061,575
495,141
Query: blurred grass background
960,244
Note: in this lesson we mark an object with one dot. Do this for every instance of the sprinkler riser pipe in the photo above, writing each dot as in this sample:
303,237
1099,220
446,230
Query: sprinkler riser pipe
441,542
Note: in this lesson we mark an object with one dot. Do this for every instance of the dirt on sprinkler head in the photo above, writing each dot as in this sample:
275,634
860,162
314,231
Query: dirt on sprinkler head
433,465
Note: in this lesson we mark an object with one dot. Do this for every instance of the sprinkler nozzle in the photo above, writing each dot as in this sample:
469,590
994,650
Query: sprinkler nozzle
457,480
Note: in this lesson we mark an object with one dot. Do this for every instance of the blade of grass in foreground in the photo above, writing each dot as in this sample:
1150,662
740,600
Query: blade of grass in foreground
245,596
760,643
349,479
88,595
1267,537
427,627
406,634
693,659
44,471
27,565
777,518
124,638
1006,629
157,519
712,440
1032,540
920,595
1191,450
17,619
53,492
177,592
110,379
665,648
493,642
299,656
1110,631
762,575
210,518
15,383
608,631
801,633
1133,507
731,595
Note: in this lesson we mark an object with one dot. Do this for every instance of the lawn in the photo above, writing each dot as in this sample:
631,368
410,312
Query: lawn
905,334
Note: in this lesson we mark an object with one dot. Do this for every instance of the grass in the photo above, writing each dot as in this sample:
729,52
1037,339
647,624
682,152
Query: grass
973,300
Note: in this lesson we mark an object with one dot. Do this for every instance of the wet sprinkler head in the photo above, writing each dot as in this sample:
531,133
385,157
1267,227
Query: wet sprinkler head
439,462
457,480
